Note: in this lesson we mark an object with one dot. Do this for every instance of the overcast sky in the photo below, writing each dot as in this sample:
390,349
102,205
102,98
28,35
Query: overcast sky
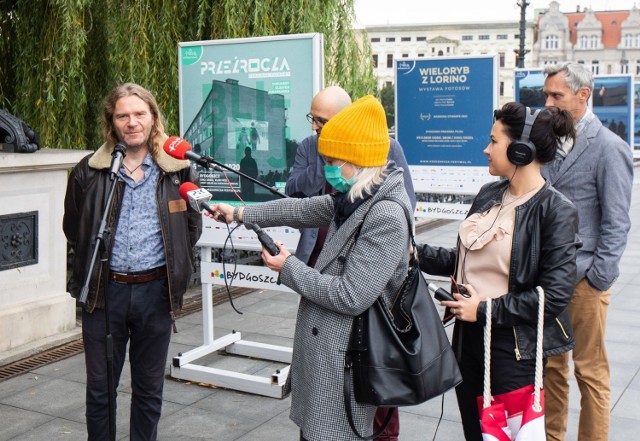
371,12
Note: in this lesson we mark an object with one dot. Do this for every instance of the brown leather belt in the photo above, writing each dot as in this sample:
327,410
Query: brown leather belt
141,277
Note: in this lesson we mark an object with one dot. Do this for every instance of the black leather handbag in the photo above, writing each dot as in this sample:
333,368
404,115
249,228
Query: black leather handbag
399,356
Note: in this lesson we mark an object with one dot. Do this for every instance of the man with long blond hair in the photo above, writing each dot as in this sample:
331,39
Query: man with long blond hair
149,238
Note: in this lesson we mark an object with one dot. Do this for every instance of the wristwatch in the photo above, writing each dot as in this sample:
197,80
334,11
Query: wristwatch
236,214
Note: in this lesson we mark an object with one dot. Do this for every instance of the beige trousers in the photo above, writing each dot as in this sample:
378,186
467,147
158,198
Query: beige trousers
588,314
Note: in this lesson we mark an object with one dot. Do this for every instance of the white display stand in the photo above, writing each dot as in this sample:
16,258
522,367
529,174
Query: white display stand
184,367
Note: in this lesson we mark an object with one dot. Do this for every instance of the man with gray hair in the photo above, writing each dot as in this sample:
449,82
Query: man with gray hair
596,173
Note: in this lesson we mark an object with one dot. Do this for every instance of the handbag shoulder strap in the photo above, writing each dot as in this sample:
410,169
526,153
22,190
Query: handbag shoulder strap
486,395
406,213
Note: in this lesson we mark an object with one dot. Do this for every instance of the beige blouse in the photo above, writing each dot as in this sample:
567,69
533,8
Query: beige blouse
485,251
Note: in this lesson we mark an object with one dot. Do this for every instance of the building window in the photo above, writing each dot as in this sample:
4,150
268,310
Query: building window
624,66
405,55
405,39
551,42
467,37
375,61
501,59
501,88
421,55
389,60
388,83
375,39
595,67
638,67
440,53
390,39
501,36
637,42
421,38
582,42
516,36
628,40
433,50
594,41
483,37
448,49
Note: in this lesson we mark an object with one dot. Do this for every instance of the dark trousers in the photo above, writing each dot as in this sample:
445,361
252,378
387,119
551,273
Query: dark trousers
138,314
392,431
507,373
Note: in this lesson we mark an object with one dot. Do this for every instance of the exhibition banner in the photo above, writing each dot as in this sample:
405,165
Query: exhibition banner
612,102
444,114
243,102
529,85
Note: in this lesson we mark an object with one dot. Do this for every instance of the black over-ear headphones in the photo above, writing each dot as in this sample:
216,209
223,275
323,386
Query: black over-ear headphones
522,151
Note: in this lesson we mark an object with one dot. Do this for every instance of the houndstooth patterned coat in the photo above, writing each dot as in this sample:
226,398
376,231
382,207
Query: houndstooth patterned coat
347,279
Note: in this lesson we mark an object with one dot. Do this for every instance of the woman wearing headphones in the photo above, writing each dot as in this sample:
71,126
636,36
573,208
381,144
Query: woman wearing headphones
520,233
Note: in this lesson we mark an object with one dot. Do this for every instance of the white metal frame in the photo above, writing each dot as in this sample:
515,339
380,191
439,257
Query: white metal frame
184,368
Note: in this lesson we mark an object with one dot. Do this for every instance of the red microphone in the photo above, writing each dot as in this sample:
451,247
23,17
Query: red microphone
179,148
198,198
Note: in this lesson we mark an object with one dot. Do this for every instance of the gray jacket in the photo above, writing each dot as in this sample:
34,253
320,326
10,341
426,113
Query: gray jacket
348,278
597,176
307,179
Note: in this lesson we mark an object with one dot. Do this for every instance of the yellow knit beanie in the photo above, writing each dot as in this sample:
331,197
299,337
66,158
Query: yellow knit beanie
357,134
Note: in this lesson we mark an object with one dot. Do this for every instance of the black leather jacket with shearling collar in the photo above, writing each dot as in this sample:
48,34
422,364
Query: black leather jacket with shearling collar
543,254
87,191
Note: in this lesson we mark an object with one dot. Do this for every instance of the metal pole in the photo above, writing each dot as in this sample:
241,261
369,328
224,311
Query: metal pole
523,28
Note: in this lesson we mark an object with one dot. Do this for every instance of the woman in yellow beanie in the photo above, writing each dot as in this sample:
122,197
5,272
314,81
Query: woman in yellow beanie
349,274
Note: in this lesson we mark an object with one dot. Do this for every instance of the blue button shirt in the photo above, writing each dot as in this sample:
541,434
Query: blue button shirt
138,244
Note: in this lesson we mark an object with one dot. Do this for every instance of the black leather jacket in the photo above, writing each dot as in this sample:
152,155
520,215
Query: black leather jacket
543,254
86,196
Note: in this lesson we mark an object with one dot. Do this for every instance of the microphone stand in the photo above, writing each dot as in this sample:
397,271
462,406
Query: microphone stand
210,163
100,246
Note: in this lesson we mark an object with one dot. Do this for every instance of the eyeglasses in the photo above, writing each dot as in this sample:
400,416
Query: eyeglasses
317,121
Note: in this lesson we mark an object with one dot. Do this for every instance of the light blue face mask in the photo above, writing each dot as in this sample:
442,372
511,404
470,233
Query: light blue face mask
333,175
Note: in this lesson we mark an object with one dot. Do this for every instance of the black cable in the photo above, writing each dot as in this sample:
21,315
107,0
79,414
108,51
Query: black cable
435,433
227,284
464,259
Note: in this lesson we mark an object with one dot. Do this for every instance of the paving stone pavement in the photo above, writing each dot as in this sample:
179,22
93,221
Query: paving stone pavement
48,403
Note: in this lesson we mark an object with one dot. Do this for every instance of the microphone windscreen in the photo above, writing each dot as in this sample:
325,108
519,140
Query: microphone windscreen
176,147
120,147
186,188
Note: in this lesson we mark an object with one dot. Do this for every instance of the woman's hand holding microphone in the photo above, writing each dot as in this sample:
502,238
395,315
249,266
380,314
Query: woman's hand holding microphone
225,210
234,214
466,306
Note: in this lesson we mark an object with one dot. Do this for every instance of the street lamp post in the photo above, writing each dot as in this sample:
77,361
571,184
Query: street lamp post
523,28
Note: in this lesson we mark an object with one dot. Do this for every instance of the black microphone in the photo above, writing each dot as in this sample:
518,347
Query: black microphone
199,199
440,294
119,152
265,239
